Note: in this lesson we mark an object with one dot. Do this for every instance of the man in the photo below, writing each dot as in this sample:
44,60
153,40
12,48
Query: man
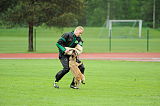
70,39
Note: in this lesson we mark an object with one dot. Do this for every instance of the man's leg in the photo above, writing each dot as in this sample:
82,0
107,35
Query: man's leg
65,63
81,67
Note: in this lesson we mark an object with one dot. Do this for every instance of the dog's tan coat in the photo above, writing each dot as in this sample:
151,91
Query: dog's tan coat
78,76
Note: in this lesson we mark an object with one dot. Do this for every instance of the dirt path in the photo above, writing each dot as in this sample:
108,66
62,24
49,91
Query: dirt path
93,56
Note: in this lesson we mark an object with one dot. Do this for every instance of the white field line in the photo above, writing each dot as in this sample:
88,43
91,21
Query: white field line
125,59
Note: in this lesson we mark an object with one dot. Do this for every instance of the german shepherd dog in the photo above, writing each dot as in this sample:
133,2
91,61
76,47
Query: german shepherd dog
78,76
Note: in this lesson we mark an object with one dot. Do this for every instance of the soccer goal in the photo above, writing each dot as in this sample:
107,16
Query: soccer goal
111,22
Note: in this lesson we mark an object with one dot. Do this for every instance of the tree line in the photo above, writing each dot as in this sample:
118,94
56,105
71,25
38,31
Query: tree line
78,12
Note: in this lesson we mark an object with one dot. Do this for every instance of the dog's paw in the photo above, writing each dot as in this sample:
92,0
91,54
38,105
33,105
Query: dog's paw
83,82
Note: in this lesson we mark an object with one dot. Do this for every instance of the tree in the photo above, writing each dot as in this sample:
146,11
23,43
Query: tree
5,4
58,13
96,12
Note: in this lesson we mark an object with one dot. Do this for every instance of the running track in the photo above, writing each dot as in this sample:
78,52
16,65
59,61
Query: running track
92,56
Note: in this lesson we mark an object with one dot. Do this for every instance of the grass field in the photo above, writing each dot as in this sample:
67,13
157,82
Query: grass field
108,83
95,40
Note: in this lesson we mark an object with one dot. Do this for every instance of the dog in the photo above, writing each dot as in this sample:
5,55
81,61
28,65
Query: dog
78,76
78,49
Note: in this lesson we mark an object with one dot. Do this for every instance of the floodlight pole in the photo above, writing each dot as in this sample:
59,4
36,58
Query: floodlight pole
108,15
140,28
110,27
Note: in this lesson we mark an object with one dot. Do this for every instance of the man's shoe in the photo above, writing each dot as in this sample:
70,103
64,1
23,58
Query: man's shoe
55,85
73,87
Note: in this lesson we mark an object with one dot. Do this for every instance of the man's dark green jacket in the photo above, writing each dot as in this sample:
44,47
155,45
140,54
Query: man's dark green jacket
68,40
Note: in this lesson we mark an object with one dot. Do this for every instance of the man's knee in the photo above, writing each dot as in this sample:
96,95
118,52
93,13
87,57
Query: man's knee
61,73
65,70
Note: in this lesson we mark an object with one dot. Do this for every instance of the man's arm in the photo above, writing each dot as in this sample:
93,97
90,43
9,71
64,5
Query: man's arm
60,47
62,42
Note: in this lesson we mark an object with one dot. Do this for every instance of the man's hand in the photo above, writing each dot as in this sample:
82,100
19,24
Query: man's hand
66,51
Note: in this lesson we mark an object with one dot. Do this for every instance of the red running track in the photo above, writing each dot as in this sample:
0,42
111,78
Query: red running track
93,56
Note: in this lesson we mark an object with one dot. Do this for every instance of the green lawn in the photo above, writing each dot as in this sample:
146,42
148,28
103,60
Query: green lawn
95,40
108,83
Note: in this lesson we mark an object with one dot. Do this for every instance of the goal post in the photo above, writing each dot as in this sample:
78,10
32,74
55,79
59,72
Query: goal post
110,22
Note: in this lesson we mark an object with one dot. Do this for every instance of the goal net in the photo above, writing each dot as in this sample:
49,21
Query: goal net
122,29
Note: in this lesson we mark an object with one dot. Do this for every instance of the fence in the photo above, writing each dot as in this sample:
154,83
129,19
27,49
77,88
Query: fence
16,41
